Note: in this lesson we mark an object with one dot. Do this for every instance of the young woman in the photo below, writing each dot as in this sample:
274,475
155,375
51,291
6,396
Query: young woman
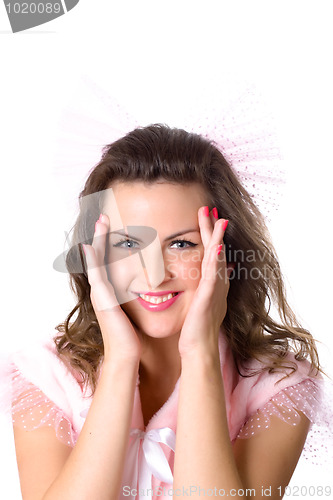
169,376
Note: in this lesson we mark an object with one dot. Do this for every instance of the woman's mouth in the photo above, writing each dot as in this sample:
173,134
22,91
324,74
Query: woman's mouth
157,301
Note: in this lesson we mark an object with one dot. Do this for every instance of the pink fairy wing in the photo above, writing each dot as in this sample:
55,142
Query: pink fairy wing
236,117
241,123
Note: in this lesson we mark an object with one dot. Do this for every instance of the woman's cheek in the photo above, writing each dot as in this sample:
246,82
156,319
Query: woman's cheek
186,266
121,274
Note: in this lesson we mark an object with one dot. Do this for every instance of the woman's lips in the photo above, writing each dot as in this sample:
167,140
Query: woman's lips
166,299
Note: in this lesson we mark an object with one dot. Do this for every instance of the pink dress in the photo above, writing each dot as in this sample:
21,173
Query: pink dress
42,391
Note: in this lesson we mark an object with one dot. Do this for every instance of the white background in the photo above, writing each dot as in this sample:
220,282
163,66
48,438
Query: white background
155,56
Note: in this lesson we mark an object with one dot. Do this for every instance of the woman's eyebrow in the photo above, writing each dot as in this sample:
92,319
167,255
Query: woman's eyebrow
181,233
123,232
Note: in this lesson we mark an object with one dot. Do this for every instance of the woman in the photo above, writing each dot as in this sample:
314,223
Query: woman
170,361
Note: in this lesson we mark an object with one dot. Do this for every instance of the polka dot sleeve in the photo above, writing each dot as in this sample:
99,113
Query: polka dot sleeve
303,397
31,409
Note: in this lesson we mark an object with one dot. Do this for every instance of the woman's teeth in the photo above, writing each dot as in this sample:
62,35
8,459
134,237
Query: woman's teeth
157,300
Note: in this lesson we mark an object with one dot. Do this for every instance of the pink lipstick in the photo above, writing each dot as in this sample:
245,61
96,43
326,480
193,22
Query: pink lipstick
157,301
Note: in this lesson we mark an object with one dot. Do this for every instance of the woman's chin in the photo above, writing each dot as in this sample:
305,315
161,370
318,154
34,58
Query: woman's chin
150,325
159,331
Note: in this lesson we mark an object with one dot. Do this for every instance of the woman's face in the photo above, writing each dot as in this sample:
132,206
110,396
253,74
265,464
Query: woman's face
154,252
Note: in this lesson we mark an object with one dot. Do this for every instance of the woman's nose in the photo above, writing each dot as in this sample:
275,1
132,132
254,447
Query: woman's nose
154,265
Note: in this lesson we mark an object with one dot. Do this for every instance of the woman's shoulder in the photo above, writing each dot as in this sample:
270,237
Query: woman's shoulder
36,380
255,379
41,365
253,386
258,381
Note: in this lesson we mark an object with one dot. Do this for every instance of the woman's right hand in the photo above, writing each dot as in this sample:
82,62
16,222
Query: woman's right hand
120,338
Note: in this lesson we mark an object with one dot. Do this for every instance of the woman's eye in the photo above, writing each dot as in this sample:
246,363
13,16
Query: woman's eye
127,244
183,244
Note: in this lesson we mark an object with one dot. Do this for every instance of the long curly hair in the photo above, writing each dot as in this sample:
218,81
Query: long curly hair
158,152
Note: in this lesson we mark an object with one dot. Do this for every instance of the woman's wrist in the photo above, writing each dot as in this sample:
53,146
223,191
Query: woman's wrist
204,356
206,348
120,366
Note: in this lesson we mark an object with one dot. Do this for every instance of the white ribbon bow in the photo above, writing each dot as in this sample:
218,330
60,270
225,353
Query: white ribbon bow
153,462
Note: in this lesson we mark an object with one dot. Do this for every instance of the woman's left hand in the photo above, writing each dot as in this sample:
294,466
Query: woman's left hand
209,306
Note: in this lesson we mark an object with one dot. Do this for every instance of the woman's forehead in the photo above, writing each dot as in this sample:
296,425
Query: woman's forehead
166,208
139,199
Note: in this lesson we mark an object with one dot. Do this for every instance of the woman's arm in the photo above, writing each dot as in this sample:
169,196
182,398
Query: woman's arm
93,469
205,457
267,461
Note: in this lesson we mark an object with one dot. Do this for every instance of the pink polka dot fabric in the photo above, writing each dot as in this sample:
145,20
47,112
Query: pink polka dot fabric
286,405
38,390
31,409
315,401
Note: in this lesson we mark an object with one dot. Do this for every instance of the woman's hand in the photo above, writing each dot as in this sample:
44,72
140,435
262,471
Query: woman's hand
209,306
121,341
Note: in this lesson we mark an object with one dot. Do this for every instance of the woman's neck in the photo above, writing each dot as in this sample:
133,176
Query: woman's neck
159,371
160,361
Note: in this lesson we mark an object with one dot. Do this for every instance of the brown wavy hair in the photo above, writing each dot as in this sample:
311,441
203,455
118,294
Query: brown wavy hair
158,152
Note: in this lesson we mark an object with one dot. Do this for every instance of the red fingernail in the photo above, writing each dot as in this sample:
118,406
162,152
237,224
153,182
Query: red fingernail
219,248
224,226
206,211
214,212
